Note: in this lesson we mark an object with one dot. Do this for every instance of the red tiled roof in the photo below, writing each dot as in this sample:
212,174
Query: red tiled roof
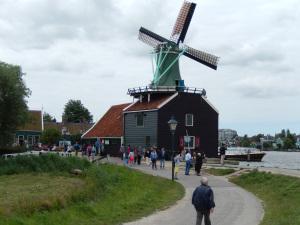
34,122
154,103
110,125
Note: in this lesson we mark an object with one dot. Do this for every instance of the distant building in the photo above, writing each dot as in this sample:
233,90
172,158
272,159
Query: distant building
227,135
68,129
30,133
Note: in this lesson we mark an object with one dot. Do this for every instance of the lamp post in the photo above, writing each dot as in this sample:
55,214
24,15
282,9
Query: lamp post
172,124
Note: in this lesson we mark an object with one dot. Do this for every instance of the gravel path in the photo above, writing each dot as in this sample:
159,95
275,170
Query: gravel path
234,206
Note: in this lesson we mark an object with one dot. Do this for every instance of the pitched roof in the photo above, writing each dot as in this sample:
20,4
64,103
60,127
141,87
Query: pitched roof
155,102
110,125
71,128
34,122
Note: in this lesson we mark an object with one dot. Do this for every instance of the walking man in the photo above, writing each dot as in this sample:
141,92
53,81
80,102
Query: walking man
222,153
203,201
188,160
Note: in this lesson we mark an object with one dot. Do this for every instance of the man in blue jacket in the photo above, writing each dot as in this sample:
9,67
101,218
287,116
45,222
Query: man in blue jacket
203,201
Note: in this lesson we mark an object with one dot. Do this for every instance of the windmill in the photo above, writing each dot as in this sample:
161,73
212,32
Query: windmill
168,51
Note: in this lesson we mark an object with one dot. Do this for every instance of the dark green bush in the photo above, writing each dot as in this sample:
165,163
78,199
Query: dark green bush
11,150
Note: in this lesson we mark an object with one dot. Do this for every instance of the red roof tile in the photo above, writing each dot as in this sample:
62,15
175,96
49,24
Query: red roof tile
155,102
110,125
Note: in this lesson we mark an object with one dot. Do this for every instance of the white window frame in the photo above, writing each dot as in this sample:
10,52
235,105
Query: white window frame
189,125
189,147
32,137
137,115
35,137
23,138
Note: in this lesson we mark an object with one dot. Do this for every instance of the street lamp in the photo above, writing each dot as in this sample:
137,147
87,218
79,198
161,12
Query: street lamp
172,124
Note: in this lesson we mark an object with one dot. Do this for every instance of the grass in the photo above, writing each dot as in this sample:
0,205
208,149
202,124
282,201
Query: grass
38,192
108,195
219,172
280,194
43,163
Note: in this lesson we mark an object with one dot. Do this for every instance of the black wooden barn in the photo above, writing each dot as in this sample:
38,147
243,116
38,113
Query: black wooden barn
146,121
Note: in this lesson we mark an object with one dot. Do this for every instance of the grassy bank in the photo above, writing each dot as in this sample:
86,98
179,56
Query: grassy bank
37,192
50,163
104,194
219,171
280,194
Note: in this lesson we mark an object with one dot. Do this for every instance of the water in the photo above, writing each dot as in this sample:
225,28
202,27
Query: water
283,160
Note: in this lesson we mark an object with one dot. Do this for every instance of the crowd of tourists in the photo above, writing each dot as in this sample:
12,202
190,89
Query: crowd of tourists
152,156
195,160
135,155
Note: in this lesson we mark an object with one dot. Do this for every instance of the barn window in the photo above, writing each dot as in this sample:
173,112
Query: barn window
140,119
189,120
189,142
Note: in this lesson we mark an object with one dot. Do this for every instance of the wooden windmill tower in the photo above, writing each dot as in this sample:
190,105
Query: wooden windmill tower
168,51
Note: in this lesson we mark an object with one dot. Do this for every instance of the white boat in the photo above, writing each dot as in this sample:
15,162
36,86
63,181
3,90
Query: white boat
244,154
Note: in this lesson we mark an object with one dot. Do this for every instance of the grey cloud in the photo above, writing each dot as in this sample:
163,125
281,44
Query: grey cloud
266,87
42,23
251,53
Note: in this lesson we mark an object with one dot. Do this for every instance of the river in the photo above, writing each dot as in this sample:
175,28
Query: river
284,160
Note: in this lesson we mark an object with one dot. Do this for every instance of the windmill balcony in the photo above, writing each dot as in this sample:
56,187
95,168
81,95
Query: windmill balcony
137,91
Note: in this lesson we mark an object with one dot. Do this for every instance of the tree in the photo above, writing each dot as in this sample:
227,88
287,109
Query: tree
289,142
245,142
283,133
75,112
75,138
256,138
13,104
48,118
50,136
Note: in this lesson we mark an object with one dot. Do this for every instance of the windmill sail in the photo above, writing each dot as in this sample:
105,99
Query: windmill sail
167,52
183,21
151,38
202,57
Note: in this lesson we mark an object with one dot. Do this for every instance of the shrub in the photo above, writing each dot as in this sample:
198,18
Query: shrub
50,136
11,150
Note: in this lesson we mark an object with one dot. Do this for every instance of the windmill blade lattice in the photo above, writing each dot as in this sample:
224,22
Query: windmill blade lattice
183,21
151,38
202,57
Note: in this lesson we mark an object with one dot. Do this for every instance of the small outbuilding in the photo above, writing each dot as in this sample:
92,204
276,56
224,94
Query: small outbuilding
109,130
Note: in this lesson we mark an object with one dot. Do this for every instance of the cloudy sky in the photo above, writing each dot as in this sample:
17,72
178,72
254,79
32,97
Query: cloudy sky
88,50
